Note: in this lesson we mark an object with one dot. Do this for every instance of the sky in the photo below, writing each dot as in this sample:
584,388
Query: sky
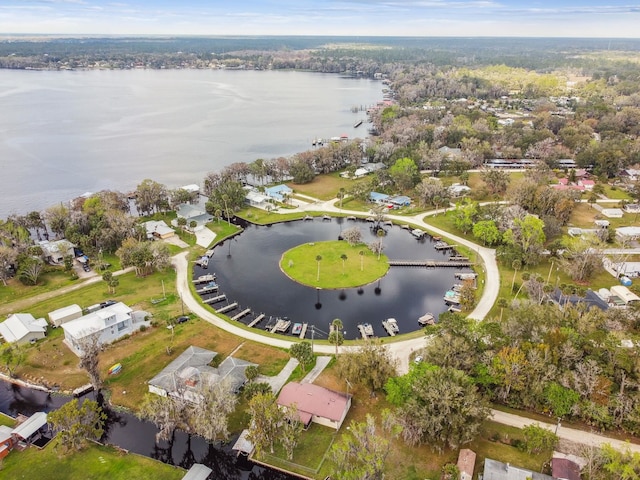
542,18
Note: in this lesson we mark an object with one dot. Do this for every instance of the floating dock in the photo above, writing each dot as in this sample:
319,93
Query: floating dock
238,316
209,253
203,261
308,217
216,299
427,319
443,246
366,330
256,320
303,332
351,217
227,308
428,263
210,287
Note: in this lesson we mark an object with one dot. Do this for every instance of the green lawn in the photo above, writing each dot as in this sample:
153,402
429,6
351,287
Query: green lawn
95,463
53,279
331,271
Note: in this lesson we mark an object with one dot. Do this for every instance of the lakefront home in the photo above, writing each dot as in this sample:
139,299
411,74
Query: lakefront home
23,328
316,404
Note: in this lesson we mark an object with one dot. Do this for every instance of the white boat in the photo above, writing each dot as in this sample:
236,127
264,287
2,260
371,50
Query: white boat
417,233
366,330
427,319
391,326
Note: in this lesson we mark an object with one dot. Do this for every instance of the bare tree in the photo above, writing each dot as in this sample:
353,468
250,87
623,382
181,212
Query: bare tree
90,348
209,416
352,235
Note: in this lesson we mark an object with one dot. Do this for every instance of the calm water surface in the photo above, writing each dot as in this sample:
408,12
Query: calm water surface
251,276
66,133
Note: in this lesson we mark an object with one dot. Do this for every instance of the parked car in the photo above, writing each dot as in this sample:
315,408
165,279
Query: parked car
107,303
182,319
86,267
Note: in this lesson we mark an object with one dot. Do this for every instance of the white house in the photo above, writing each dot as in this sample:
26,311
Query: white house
458,190
65,314
54,252
109,323
628,233
23,328
158,229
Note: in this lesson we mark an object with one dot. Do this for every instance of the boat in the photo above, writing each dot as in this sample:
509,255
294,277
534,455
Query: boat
416,232
366,330
205,278
391,326
427,319
297,328
451,297
114,369
357,124
203,261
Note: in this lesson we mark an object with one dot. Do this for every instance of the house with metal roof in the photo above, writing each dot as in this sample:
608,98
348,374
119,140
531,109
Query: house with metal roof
23,328
192,213
400,201
278,192
316,404
109,324
198,471
27,429
54,252
466,463
182,377
494,470
379,198
158,229
64,314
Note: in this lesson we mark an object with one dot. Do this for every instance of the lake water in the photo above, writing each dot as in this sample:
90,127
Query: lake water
66,133
251,276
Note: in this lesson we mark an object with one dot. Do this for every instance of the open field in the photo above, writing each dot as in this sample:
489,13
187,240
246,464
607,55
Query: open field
324,187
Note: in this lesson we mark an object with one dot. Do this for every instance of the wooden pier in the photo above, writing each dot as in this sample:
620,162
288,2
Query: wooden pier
326,217
256,320
246,311
391,326
227,308
366,330
205,278
443,246
303,332
429,263
209,253
308,217
351,217
215,299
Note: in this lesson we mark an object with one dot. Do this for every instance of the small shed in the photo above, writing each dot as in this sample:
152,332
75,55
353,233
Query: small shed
198,471
466,463
626,295
65,314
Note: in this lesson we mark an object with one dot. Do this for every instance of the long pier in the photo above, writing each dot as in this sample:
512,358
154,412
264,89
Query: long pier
303,332
208,289
205,278
430,263
215,299
256,320
246,311
227,308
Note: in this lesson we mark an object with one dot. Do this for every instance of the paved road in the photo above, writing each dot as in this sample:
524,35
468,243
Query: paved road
576,436
321,363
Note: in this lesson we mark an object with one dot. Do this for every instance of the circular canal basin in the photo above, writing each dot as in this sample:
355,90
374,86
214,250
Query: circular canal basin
248,274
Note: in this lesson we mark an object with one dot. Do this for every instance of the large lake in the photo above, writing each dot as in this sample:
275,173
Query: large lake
66,133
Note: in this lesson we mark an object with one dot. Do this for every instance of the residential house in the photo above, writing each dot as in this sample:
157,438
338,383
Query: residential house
590,299
192,213
54,252
628,233
466,463
191,368
27,430
374,167
361,172
158,229
278,192
587,184
23,328
65,314
400,201
6,441
612,212
494,470
451,153
109,324
256,199
458,190
316,404
379,198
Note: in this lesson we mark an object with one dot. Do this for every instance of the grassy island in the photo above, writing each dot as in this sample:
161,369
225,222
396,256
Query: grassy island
334,264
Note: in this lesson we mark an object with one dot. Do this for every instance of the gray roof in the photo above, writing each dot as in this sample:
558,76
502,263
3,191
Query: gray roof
194,363
30,426
494,470
197,472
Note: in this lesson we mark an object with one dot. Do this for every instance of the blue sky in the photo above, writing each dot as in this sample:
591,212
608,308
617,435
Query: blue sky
542,18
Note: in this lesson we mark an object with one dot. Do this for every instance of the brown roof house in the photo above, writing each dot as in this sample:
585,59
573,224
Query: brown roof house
466,463
565,469
316,404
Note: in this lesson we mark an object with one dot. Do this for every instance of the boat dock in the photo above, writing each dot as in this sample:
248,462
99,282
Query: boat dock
256,320
391,326
308,217
465,275
281,326
227,308
416,232
443,246
209,253
205,278
351,217
216,299
203,261
303,332
427,319
357,124
244,312
366,330
454,309
211,287
429,263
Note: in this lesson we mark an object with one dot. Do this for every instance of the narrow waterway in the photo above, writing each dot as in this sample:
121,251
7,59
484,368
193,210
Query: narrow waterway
126,431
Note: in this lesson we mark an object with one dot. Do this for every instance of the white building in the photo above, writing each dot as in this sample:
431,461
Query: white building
623,293
23,328
65,314
109,323
54,252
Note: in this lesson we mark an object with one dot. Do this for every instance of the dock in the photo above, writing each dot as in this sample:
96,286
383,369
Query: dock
205,278
244,312
227,308
209,253
443,246
454,309
405,226
351,217
326,217
366,330
208,289
429,263
256,320
303,332
203,261
281,326
308,217
465,275
391,326
216,299
357,124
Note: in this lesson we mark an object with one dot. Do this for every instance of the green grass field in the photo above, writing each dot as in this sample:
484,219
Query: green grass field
331,271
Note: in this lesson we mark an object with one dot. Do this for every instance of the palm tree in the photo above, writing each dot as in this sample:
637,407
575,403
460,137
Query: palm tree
341,196
516,265
318,258
361,253
380,233
335,336
225,199
218,214
343,257
502,303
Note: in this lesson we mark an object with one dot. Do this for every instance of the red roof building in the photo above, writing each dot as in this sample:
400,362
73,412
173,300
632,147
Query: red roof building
316,404
565,469
466,463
